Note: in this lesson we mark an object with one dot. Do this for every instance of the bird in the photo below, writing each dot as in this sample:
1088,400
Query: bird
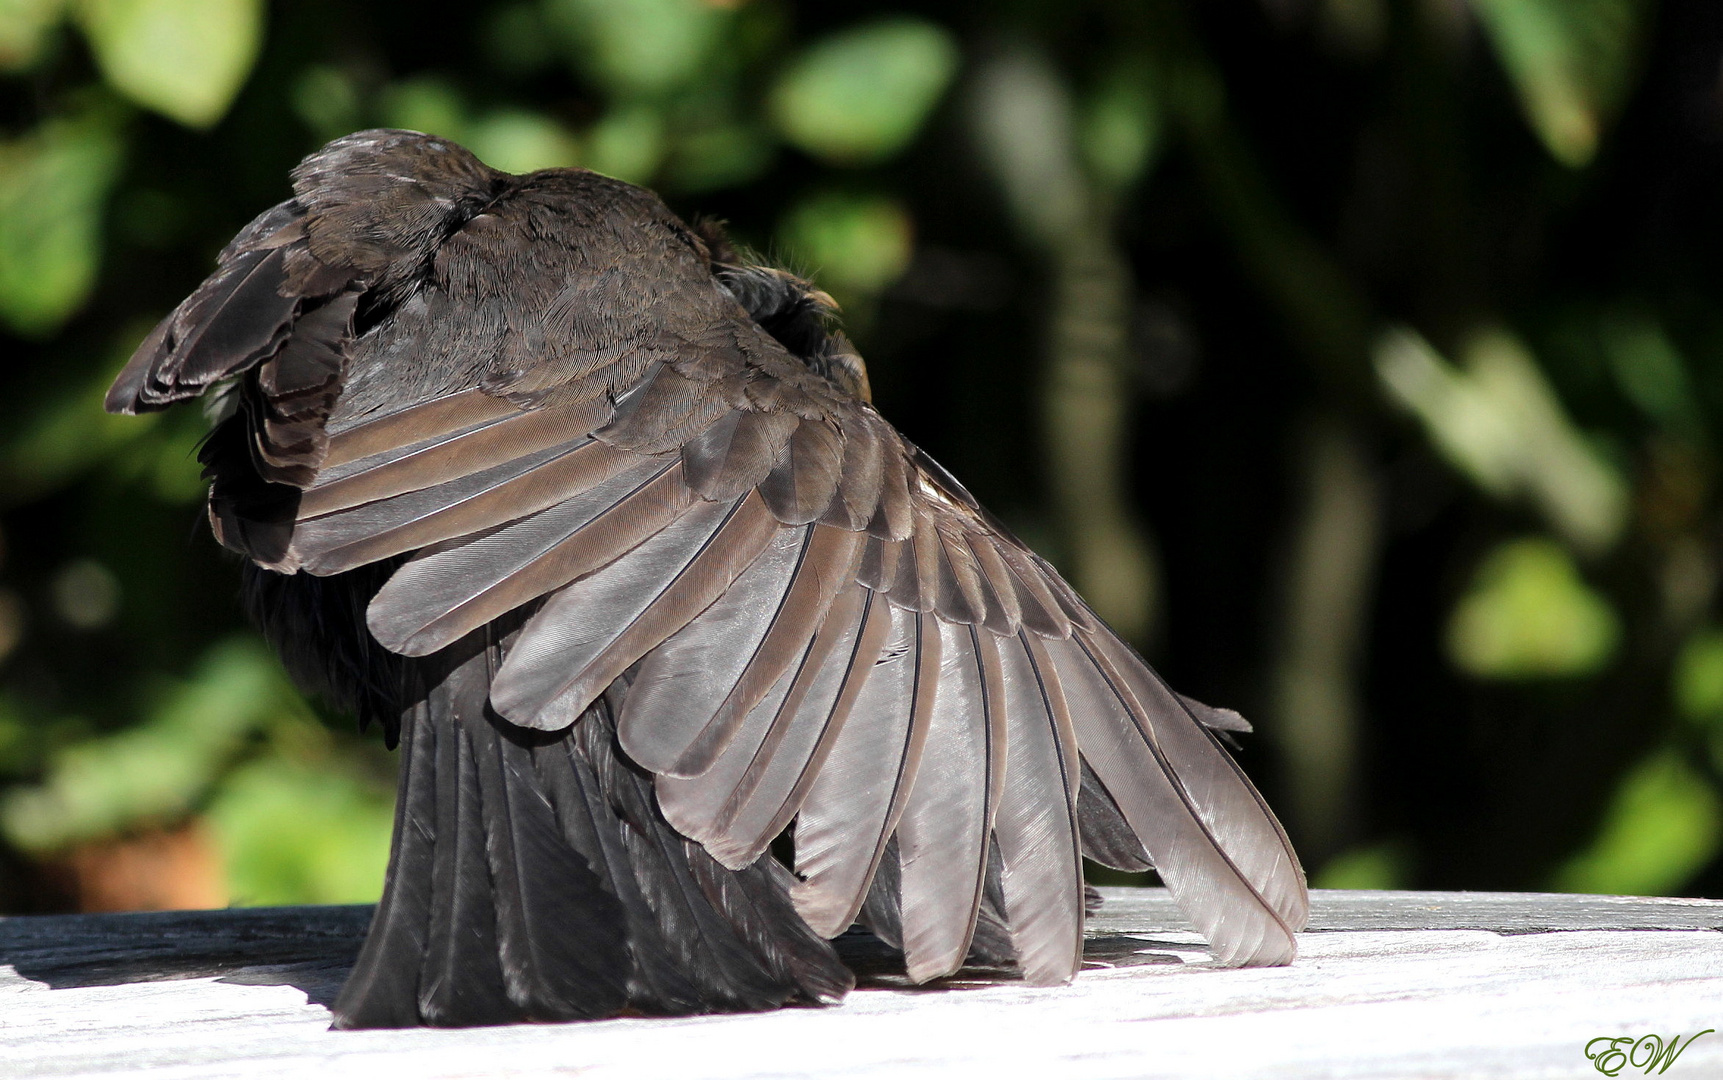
693,662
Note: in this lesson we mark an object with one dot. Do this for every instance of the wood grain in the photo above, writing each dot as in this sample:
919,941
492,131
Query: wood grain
1386,985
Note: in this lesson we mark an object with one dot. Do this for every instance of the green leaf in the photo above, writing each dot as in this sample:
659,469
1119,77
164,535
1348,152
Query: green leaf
724,155
1650,371
1570,61
1119,129
1499,421
428,104
1661,828
293,833
1698,678
24,28
852,243
1529,615
637,48
518,141
54,184
627,143
1379,866
186,59
157,770
327,100
861,94
1026,130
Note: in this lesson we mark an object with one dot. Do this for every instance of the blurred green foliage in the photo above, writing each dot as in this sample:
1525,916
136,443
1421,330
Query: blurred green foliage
54,183
185,59
301,832
1570,60
855,245
1529,614
1661,828
1360,358
861,94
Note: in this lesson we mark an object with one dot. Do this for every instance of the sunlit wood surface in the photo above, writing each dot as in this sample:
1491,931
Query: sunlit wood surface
1387,985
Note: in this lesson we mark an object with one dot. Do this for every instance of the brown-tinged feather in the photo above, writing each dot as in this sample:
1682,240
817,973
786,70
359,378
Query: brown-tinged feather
462,454
737,452
944,833
681,684
457,508
589,633
961,596
999,585
776,782
442,594
1230,804
878,567
826,567
895,518
1122,744
859,795
1036,828
729,807
437,419
1041,610
862,471
667,410
801,486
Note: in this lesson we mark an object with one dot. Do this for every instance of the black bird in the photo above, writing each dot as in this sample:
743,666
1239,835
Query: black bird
595,519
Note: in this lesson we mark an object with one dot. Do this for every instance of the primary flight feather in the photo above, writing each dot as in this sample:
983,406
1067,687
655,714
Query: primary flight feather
598,522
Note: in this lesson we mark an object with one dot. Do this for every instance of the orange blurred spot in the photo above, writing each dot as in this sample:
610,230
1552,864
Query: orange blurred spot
161,870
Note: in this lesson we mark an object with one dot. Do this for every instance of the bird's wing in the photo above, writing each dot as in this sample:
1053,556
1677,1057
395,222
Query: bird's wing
551,401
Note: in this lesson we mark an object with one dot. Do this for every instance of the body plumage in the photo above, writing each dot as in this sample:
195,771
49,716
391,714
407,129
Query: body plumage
595,518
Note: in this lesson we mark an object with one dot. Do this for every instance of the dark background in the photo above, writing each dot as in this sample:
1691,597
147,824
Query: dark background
1358,358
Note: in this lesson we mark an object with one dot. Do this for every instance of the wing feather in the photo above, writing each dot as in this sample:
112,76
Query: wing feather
593,630
944,833
858,796
1036,829
681,684
801,486
1174,803
461,507
827,566
443,594
810,720
238,317
412,428
1216,786
462,453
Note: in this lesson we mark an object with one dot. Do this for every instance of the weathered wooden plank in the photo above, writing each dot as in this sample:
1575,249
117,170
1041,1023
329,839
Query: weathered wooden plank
1393,985
1504,913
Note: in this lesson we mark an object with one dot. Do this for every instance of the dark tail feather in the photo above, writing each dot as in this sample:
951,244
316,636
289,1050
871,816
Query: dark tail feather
563,957
461,978
732,934
1107,836
382,991
656,983
533,878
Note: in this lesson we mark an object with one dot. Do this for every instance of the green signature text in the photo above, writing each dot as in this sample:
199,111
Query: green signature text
1609,1054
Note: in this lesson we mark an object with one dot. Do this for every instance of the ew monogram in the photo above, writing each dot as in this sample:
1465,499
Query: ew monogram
1610,1054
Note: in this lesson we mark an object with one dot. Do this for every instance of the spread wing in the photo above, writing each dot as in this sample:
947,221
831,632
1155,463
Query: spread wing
534,392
